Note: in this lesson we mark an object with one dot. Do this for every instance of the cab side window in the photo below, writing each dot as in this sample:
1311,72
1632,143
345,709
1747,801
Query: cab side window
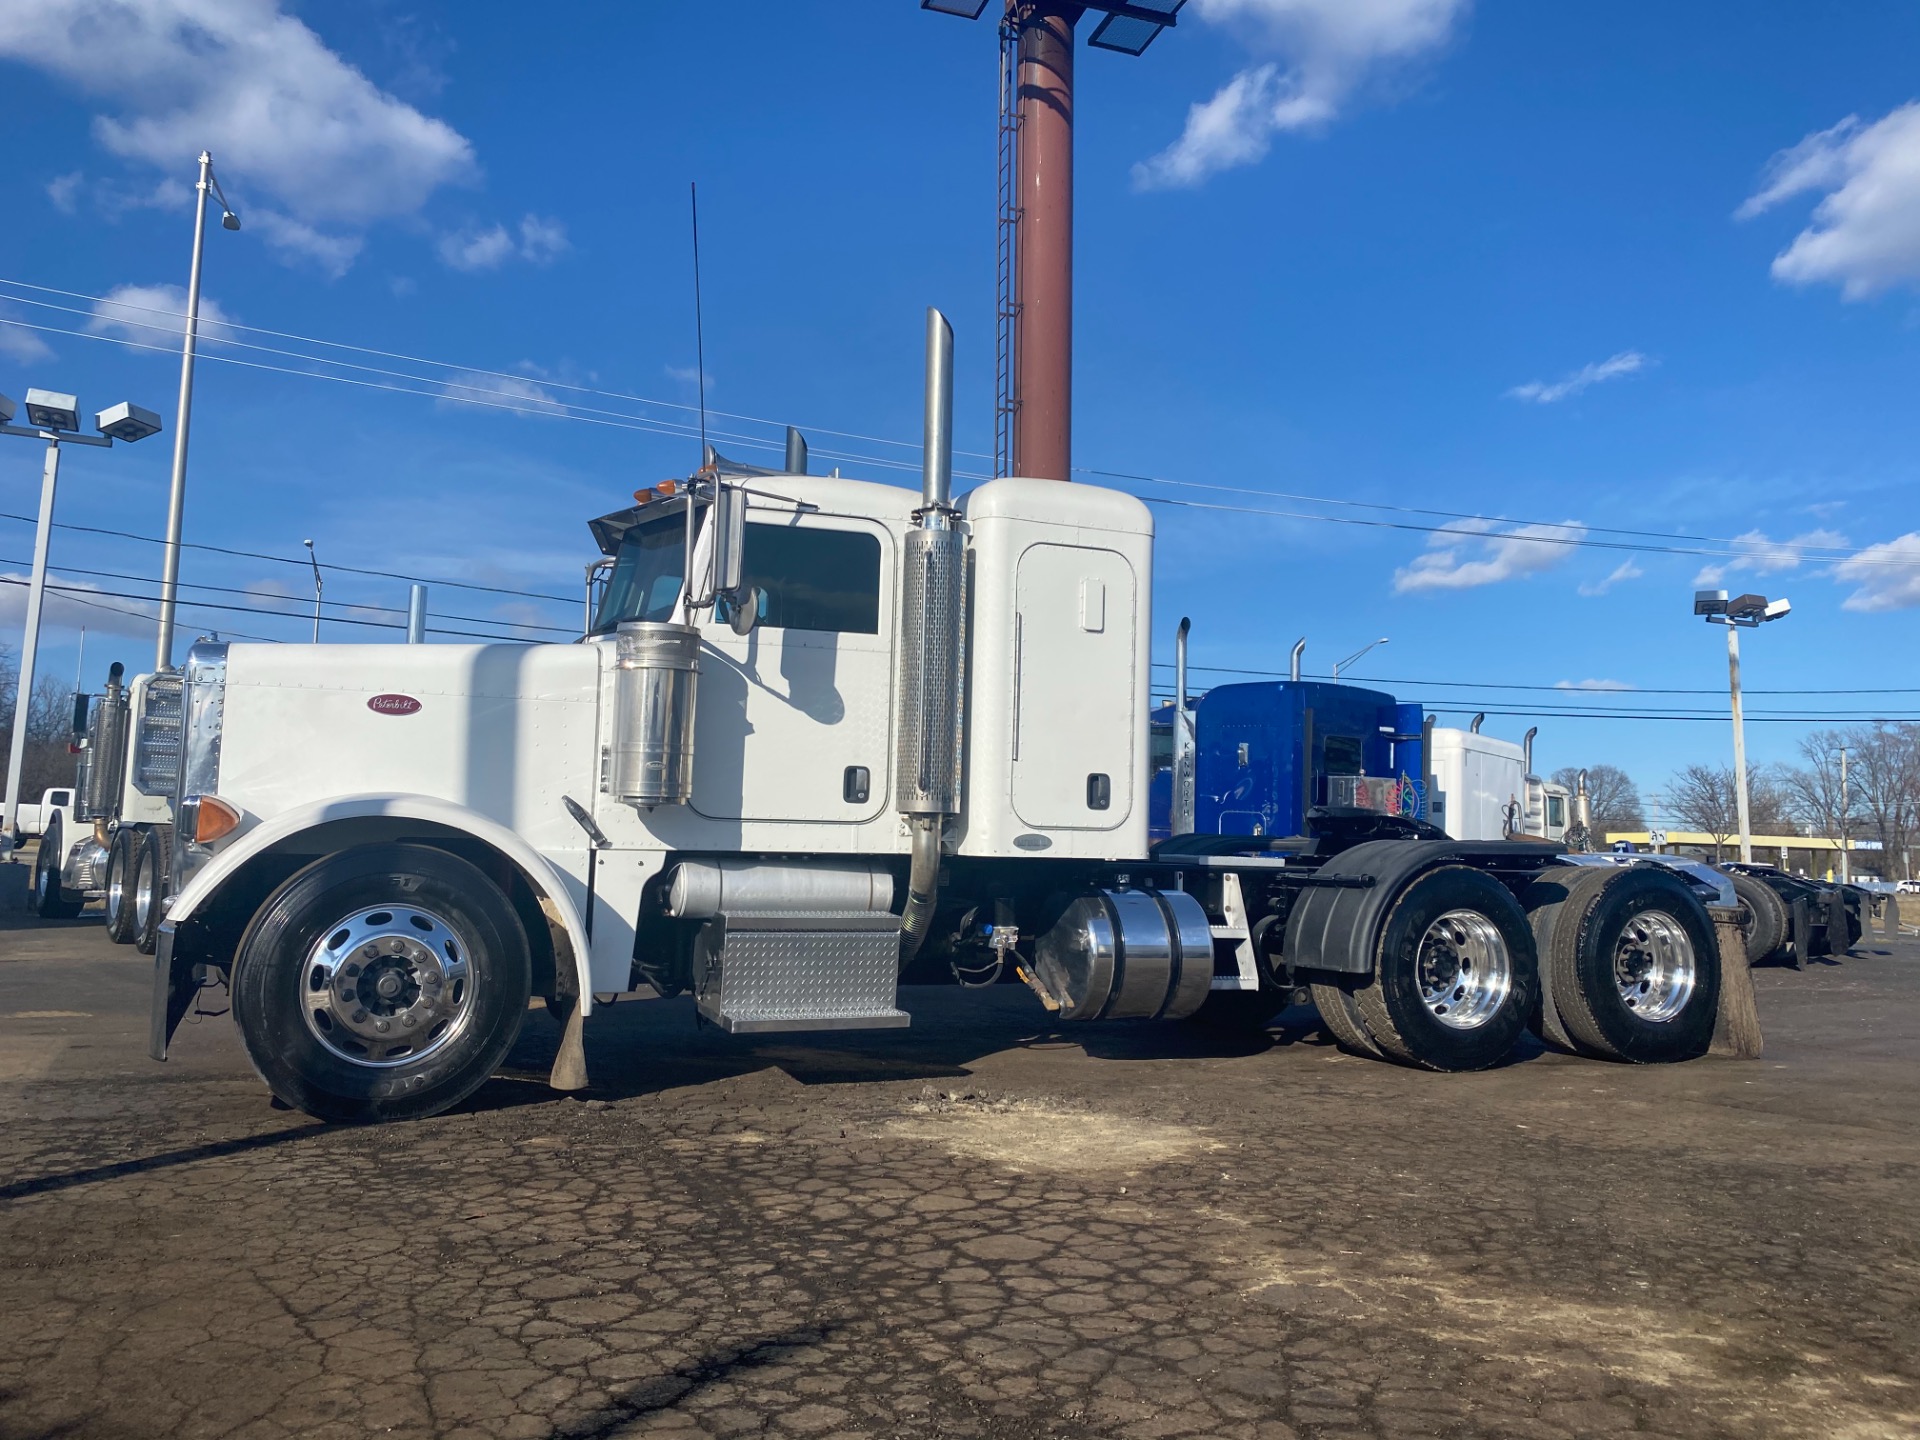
1343,755
811,579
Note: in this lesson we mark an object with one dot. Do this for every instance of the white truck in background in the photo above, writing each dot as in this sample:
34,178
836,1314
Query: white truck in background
115,842
36,815
1487,789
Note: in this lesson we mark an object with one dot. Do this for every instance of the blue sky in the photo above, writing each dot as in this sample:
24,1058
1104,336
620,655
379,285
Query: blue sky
1627,266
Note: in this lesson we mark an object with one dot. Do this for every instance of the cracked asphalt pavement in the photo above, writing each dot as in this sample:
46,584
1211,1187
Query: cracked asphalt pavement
981,1226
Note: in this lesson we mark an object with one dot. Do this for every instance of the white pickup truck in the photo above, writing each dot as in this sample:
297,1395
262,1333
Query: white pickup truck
32,819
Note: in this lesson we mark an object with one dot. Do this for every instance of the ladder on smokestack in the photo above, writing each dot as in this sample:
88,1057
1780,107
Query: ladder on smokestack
1006,401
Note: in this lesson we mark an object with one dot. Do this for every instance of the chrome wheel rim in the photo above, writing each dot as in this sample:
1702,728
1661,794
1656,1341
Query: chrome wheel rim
387,985
116,884
143,891
1654,966
1464,970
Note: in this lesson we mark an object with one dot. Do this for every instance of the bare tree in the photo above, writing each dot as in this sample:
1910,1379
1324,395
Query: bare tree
1813,790
48,759
1886,773
1704,798
1612,796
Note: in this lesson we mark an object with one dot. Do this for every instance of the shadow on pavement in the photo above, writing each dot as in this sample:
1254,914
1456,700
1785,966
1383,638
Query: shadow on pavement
166,1160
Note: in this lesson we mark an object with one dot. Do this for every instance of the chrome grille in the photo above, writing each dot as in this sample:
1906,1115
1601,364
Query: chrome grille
156,746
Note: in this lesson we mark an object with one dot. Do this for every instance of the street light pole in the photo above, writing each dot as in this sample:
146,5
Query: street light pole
1744,613
318,586
1340,664
30,644
53,418
1739,743
177,490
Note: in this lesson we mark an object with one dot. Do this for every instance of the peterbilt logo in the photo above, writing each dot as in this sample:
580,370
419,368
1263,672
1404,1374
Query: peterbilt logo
393,705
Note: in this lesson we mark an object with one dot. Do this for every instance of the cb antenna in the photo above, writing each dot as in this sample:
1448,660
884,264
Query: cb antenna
699,329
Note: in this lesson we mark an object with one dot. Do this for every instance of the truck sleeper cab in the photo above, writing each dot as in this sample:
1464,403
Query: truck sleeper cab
821,733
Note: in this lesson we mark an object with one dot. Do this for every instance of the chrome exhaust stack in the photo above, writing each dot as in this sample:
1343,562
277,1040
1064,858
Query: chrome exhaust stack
932,641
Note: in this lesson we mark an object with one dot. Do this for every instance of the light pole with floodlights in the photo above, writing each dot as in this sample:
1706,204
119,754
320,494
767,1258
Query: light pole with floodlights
54,418
177,490
1745,612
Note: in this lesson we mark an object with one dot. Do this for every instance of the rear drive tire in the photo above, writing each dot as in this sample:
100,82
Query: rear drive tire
119,901
1635,969
1766,916
1454,978
50,901
1545,898
149,889
385,982
1341,1016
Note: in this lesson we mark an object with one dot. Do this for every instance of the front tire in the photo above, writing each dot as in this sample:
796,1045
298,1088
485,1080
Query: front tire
50,901
381,983
1635,968
1455,978
119,901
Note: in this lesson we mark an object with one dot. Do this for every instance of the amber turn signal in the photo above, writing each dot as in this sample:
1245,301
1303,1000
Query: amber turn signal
214,819
667,487
643,496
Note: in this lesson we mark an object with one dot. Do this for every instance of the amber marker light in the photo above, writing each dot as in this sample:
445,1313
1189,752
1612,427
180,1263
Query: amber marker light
643,497
213,818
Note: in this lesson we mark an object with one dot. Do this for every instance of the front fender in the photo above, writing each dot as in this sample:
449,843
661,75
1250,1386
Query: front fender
172,991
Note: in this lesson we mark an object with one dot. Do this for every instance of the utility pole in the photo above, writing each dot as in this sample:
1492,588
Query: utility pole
318,586
1844,868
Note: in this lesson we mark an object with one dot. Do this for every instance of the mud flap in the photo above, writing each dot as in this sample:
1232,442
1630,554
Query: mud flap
174,987
1736,1028
570,1064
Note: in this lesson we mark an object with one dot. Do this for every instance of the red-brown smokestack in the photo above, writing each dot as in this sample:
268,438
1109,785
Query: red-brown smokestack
1043,333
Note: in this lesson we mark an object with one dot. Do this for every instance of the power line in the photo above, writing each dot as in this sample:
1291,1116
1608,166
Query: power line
302,564
80,591
1748,549
1556,689
452,365
301,600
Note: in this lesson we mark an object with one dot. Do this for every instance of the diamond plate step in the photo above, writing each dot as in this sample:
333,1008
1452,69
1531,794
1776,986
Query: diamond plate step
755,974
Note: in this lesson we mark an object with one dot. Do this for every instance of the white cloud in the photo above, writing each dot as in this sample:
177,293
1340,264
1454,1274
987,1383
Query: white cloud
66,610
1313,55
21,344
155,315
539,242
1762,556
1471,554
1865,235
1888,575
64,192
1541,392
1591,685
284,116
295,239
477,388
688,375
1624,571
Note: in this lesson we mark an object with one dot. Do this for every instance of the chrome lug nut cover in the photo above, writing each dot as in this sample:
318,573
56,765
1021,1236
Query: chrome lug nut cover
387,985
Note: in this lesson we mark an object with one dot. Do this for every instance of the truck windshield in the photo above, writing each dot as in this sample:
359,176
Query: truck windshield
646,576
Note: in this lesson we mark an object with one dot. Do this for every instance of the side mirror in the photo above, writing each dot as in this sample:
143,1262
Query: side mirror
729,538
744,610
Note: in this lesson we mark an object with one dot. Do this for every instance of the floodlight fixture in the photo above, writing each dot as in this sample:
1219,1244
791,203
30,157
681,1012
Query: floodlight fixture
1776,609
127,422
1709,602
1746,607
229,220
50,410
1131,28
6,409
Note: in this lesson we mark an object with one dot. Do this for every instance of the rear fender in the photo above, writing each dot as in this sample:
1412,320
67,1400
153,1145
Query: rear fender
174,982
1335,929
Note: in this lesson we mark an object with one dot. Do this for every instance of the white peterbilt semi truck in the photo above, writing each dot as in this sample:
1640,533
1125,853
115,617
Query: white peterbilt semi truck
822,733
